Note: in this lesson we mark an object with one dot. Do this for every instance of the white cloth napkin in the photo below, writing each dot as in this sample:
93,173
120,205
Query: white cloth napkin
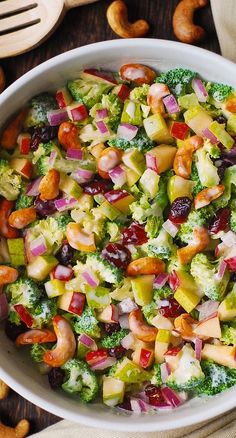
224,14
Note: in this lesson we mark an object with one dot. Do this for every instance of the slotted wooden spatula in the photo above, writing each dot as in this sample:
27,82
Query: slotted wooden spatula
24,24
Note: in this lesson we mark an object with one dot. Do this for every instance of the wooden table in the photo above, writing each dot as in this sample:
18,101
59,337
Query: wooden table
83,26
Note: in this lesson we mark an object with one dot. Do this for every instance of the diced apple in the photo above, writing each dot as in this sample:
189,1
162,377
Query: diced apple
134,160
231,124
161,158
109,315
221,134
120,199
109,211
220,354
99,76
69,186
209,327
130,372
142,288
227,308
161,322
132,113
122,91
197,119
55,288
149,182
23,140
77,111
143,356
157,129
16,251
41,267
72,302
131,176
187,293
161,345
113,391
63,97
179,130
22,166
178,187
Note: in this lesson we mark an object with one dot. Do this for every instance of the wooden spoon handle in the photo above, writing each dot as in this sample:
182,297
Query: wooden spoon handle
69,4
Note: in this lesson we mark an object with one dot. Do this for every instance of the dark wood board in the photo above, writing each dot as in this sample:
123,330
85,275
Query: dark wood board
82,26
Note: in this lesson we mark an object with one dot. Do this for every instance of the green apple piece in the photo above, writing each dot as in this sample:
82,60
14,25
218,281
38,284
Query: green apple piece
163,157
107,210
197,119
132,113
55,288
227,308
82,350
131,176
149,182
188,101
135,160
222,136
220,354
69,186
231,124
161,345
208,173
157,129
41,266
178,186
113,391
142,288
187,293
16,250
163,336
98,298
129,372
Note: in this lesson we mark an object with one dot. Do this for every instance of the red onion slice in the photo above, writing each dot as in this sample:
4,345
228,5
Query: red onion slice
151,162
126,306
174,281
160,280
52,158
118,176
171,104
221,271
102,364
206,309
165,371
74,154
33,187
200,90
124,321
127,131
172,397
38,246
208,134
56,117
198,348
101,114
82,175
65,203
102,127
90,278
88,342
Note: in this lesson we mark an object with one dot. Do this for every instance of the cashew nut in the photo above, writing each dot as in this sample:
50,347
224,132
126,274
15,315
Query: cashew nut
20,431
5,229
142,331
184,156
13,129
68,135
78,239
66,344
206,196
21,218
4,390
154,98
198,243
137,73
183,25
35,336
2,79
117,16
7,274
107,160
146,265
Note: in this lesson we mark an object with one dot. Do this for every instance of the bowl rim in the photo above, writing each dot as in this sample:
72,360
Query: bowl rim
212,410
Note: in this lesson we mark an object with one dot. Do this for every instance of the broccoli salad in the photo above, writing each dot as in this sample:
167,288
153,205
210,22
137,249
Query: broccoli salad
118,236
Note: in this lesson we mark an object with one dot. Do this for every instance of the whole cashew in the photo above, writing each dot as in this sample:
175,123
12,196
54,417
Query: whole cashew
146,266
206,196
7,275
20,431
4,390
35,336
139,328
183,25
154,98
66,345
117,16
198,243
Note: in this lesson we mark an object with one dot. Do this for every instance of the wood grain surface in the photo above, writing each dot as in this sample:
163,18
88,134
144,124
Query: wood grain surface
82,26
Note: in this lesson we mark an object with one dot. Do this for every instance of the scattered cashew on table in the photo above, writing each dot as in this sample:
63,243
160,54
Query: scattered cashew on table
117,16
184,28
22,428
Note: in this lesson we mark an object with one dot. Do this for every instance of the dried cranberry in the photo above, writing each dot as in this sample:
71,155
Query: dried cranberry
155,395
56,377
125,404
172,310
117,352
96,187
65,254
44,208
134,234
13,331
117,254
220,221
112,327
180,209
42,134
221,170
221,119
151,390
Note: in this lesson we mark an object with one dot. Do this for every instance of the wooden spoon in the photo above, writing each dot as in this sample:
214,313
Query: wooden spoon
24,24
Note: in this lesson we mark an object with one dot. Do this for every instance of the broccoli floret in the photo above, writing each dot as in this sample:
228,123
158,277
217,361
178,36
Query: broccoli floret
228,180
50,230
88,92
220,92
23,200
163,293
140,94
196,218
204,273
24,291
44,150
150,311
113,104
179,80
195,177
162,246
114,339
63,220
156,379
39,107
42,166
188,374
10,182
44,312
233,219
153,226
161,198
212,110
217,378
143,208
104,269
37,351
80,379
87,323
91,221
228,333
141,142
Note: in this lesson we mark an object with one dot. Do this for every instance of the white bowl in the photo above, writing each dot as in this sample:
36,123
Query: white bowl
16,368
